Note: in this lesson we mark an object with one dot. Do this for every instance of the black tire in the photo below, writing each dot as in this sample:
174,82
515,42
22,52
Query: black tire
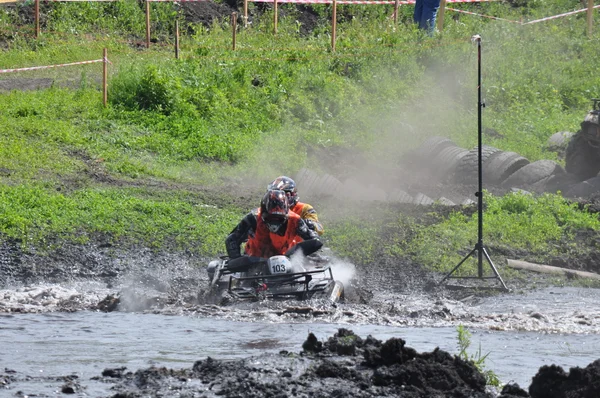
582,159
307,181
558,141
445,163
467,169
532,173
428,150
501,165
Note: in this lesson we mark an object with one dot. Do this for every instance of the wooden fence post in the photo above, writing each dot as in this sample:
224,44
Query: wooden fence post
440,17
147,24
590,17
274,17
233,29
37,18
176,39
245,13
105,77
333,25
396,4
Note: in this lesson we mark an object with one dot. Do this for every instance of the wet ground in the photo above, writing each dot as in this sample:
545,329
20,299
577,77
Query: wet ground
43,349
158,323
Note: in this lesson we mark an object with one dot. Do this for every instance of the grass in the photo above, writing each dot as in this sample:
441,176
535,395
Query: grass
204,118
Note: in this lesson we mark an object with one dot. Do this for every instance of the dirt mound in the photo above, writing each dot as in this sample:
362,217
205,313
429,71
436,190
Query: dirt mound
344,366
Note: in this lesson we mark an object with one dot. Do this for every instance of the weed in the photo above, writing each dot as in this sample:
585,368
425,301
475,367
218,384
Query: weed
477,359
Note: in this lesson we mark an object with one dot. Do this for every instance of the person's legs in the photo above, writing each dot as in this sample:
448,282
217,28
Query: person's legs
418,12
428,15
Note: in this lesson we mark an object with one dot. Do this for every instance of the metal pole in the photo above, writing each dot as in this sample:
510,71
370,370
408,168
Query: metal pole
479,166
245,13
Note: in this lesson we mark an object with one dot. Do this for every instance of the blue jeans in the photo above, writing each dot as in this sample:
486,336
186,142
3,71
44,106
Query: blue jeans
425,13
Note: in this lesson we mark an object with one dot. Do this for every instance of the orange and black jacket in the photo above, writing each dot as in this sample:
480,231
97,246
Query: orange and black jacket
309,214
262,242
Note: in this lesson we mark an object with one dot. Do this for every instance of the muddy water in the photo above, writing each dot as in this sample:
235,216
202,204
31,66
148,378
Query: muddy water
46,346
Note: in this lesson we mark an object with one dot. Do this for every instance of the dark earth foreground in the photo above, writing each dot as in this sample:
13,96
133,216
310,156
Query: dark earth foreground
345,365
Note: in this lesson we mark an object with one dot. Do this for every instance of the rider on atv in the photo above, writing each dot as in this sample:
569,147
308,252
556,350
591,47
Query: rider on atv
304,210
271,230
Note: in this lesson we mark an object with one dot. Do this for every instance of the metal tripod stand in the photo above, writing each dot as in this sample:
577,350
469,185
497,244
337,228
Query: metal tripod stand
479,247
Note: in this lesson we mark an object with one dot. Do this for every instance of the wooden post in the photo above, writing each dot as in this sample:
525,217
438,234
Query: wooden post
147,24
590,17
234,29
176,39
396,4
440,16
333,25
37,18
245,13
105,77
274,17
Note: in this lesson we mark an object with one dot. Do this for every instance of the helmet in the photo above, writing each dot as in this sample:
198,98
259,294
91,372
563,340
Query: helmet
287,185
274,209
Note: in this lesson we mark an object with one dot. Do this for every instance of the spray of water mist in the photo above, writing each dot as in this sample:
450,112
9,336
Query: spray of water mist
343,271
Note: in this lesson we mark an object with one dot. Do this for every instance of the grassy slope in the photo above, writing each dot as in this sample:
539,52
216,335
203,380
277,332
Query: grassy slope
70,168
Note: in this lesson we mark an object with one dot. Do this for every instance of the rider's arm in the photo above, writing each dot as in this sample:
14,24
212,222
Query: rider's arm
306,233
309,215
240,234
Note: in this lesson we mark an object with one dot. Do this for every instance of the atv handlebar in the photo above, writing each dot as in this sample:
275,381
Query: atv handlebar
306,246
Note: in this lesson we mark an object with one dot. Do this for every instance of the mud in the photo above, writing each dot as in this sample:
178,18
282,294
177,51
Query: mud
345,365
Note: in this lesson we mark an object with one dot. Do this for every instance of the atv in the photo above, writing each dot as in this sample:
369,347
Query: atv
582,156
295,275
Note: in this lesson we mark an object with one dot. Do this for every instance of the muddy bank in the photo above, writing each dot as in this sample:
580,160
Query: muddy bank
344,365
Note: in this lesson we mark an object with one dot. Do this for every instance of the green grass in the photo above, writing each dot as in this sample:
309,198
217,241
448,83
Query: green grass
265,107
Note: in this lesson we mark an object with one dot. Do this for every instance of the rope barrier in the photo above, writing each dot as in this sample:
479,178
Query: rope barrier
508,20
52,66
481,15
558,16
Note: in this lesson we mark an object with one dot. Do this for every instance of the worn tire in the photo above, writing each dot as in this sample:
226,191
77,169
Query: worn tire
529,175
501,165
467,169
428,150
558,141
445,163
305,180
